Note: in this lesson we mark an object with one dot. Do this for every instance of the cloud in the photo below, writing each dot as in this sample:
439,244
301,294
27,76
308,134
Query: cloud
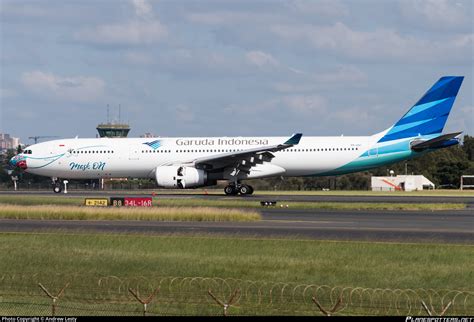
285,106
307,104
183,113
380,45
360,117
331,8
261,59
462,119
77,88
342,76
230,18
7,93
140,58
143,8
192,62
143,29
24,10
131,33
265,13
437,14
288,26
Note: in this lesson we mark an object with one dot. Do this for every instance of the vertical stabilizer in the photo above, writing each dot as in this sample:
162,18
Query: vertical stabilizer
429,114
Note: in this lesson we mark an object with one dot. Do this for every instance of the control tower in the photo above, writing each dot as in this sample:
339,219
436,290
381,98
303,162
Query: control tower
113,130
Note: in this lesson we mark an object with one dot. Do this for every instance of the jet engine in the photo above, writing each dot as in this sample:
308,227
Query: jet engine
180,177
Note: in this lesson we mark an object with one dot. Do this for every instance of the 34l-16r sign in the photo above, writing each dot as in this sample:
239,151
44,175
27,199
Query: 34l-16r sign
131,201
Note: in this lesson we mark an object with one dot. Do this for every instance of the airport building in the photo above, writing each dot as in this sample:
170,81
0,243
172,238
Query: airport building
8,142
401,183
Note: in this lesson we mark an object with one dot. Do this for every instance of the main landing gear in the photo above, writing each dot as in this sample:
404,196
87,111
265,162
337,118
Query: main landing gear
235,189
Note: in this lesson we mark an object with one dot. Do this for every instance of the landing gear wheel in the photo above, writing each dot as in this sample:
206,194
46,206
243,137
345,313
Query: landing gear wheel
230,190
57,189
244,189
250,190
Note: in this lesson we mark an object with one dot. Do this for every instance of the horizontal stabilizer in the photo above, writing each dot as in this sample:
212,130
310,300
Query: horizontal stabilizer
442,141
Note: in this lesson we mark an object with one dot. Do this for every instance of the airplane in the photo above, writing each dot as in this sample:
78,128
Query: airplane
190,162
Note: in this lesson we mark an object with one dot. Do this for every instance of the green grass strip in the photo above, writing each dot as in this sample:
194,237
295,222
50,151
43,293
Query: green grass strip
310,205
354,264
241,203
98,213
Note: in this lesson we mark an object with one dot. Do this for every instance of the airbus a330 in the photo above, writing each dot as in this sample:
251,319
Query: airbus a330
190,162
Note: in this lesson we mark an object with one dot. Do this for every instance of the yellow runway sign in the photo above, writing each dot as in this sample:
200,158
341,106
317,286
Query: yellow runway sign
97,202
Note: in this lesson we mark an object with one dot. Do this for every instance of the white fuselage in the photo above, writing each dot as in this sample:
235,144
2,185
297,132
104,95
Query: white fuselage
133,157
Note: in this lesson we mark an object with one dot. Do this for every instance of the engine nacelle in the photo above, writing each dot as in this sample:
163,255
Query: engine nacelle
180,177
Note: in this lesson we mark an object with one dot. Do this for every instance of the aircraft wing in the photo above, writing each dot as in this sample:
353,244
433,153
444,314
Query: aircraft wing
245,159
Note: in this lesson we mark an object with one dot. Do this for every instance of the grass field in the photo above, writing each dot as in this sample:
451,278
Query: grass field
367,264
270,276
311,205
99,213
242,203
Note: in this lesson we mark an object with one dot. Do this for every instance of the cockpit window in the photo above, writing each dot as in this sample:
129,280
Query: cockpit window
27,152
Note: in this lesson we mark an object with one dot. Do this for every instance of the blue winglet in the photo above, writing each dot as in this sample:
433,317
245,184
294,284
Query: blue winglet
295,139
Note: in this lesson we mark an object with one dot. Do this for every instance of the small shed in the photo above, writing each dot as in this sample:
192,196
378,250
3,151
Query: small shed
401,183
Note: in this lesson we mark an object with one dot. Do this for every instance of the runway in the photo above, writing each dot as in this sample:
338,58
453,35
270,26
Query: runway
398,226
469,200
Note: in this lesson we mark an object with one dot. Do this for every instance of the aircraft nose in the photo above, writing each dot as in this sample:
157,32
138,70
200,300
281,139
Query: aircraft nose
19,161
13,162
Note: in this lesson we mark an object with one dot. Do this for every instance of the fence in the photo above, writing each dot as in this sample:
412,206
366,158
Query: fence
88,295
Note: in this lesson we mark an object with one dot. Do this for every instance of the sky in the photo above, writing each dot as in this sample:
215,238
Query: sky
229,68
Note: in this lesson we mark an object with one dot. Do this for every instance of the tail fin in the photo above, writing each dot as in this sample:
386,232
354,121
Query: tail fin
430,113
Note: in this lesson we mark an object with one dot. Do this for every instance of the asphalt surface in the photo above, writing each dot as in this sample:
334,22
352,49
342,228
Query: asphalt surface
399,226
300,198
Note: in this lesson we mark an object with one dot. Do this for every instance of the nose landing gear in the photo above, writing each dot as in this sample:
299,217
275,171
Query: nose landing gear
57,187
